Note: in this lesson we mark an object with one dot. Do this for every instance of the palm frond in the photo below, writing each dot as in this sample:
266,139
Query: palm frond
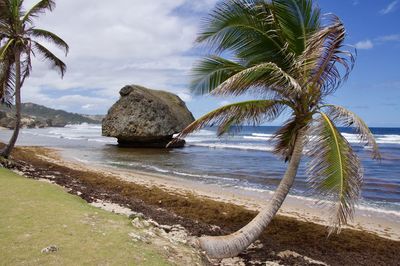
286,136
13,8
245,28
50,37
211,71
26,66
265,77
3,10
334,171
325,51
5,49
296,19
344,117
248,112
235,24
7,72
48,56
7,80
39,8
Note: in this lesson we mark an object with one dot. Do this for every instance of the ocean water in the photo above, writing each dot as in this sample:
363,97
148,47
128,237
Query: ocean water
243,160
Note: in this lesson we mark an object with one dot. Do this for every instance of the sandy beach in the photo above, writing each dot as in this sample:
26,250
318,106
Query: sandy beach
384,225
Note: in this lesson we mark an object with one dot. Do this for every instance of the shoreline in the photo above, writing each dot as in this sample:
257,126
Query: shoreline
298,207
201,215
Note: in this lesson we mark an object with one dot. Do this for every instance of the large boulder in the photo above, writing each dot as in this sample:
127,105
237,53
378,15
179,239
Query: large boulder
146,118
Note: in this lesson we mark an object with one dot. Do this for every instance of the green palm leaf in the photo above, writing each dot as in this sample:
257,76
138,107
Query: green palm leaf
296,19
233,25
38,9
246,28
7,77
264,77
211,71
334,171
248,112
5,50
7,72
55,62
343,117
50,37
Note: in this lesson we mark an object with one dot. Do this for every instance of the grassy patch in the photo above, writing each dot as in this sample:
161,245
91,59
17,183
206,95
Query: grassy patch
35,215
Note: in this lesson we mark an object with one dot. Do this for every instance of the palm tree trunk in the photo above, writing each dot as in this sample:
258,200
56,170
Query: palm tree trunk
7,150
229,246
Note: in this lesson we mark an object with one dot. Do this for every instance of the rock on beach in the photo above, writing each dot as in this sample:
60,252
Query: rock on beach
144,117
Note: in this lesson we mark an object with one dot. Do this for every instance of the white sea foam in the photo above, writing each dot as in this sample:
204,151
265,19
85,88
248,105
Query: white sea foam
259,190
364,207
256,138
232,146
381,139
186,174
83,132
262,135
157,169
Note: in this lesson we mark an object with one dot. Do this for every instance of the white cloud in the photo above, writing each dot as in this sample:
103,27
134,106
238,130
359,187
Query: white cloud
390,8
369,44
88,106
114,43
389,38
364,45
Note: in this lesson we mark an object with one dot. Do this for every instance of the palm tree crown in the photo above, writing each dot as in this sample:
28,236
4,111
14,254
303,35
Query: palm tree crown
19,41
18,36
291,57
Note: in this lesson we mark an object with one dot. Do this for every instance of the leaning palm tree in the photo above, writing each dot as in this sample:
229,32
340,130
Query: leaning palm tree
19,41
291,57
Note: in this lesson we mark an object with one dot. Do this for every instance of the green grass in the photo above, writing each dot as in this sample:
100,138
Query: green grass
35,215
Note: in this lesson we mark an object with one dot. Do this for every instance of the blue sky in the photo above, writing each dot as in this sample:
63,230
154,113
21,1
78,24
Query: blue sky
119,43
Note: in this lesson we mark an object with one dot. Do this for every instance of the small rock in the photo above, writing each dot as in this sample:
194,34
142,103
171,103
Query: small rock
177,227
289,253
256,245
135,237
136,215
160,232
178,236
154,223
170,250
272,263
137,223
236,261
50,249
145,223
215,228
167,228
150,233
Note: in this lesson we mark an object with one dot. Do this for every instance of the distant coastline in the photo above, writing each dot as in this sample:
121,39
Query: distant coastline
39,116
